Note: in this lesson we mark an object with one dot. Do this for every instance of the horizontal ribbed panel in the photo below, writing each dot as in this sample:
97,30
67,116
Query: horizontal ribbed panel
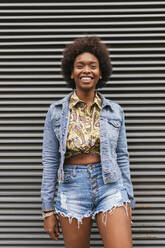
32,38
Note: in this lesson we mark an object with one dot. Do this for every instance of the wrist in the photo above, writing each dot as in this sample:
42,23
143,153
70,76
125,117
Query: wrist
47,214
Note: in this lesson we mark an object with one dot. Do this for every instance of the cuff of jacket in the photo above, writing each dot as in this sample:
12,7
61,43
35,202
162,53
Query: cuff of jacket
47,206
132,203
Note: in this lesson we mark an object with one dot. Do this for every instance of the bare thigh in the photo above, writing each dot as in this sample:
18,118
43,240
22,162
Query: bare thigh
117,231
73,236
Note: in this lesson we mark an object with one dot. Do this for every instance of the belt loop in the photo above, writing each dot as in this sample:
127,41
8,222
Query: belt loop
74,171
89,168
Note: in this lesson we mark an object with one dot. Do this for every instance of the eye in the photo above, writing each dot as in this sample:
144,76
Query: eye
79,66
93,67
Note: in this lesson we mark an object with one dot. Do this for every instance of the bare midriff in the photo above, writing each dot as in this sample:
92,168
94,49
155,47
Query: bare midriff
83,159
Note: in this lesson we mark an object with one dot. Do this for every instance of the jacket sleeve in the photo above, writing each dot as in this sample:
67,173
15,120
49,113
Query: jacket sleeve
50,161
123,161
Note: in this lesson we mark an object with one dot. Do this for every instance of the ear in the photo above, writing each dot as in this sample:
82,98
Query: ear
100,77
71,75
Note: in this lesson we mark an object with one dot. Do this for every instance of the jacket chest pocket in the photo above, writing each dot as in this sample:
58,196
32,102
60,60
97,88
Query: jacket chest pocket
113,127
57,127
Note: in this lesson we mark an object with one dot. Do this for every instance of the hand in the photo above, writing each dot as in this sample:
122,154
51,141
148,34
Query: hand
51,226
130,212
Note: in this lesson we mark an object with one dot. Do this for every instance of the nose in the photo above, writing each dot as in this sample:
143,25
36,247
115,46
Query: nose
86,69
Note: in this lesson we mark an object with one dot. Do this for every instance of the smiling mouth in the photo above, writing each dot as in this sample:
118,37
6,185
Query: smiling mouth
86,79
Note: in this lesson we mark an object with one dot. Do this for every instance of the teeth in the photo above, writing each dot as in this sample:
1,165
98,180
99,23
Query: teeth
86,78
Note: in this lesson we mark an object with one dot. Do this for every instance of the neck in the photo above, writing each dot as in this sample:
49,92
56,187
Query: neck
86,96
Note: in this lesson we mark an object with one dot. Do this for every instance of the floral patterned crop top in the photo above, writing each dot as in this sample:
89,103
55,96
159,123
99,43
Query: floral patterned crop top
84,127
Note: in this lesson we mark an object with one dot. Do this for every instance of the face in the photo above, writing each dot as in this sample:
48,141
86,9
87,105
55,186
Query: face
86,71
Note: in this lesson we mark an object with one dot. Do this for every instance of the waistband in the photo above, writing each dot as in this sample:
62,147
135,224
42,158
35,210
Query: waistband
82,166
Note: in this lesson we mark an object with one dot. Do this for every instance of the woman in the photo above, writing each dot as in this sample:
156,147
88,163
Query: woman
85,147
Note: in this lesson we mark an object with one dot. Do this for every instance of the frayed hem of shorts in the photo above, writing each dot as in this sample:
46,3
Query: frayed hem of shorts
110,211
79,220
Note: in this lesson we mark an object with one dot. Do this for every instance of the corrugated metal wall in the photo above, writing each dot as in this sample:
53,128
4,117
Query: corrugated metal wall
32,37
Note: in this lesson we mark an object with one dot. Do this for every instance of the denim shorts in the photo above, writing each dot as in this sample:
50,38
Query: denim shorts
83,193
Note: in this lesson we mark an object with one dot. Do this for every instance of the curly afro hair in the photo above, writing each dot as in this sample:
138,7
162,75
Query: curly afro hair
92,45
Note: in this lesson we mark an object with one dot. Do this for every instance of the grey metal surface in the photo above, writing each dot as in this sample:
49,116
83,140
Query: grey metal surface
32,38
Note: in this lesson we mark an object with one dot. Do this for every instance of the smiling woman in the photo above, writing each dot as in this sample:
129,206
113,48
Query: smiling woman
85,146
90,45
86,71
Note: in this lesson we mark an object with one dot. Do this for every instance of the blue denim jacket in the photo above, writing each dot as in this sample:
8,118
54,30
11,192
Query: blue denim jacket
113,148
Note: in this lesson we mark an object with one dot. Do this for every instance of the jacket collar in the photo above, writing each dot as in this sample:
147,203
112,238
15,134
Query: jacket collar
105,102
